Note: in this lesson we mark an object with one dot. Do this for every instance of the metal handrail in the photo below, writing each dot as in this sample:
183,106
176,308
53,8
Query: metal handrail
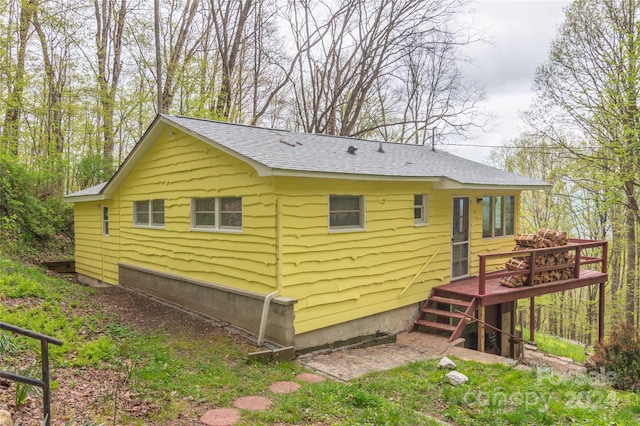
579,260
44,352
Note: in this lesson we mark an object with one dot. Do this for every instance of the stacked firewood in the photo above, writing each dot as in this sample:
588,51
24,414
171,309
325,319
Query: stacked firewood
544,238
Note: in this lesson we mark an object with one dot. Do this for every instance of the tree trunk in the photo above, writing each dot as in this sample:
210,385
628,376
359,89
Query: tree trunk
14,102
630,223
53,146
108,39
161,108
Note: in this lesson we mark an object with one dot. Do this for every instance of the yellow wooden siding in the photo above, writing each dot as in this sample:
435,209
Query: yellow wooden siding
96,255
88,254
177,169
335,276
341,276
111,243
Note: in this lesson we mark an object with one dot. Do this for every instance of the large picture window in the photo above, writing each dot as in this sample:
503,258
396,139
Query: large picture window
346,212
498,216
148,213
221,213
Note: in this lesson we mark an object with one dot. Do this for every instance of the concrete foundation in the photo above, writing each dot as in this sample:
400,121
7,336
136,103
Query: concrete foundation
390,322
243,309
91,282
238,307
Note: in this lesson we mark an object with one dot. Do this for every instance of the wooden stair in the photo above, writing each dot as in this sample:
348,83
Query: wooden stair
447,314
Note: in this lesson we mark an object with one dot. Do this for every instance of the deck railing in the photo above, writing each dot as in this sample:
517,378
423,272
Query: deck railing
44,383
580,259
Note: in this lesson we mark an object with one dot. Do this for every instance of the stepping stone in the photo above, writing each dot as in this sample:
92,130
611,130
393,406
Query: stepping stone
220,417
254,403
310,378
284,387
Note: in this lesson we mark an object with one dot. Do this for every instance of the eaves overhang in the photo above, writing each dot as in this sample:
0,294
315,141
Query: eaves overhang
449,184
162,124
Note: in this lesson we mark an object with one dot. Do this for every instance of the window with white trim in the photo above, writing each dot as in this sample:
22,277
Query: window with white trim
148,213
220,213
105,221
421,209
498,215
346,212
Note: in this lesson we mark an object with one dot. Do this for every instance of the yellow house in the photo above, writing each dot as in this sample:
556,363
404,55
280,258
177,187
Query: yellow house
301,239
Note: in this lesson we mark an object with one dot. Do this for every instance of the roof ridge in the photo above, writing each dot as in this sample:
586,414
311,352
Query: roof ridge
293,132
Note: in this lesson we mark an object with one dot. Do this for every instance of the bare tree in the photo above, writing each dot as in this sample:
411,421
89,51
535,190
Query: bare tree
177,37
110,22
405,43
231,17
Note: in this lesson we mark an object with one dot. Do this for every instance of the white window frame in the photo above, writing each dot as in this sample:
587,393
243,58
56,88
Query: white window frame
149,223
502,214
347,228
423,220
105,221
217,227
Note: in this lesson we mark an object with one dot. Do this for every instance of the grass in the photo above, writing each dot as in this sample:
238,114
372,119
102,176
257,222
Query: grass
176,374
558,346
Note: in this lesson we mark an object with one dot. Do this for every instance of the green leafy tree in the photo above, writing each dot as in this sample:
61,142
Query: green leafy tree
588,90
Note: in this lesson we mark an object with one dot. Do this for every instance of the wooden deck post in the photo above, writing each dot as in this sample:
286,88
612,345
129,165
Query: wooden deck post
601,314
481,327
482,276
512,329
532,320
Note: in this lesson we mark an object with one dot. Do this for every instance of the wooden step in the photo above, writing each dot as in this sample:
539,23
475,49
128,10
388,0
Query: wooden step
442,313
436,325
450,301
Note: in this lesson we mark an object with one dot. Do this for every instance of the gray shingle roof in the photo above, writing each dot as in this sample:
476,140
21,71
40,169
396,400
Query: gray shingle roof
304,152
274,151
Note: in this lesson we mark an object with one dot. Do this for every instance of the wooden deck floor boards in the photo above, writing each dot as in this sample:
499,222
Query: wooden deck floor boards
496,293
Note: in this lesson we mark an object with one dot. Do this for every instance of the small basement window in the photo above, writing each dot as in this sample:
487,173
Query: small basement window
346,212
221,213
148,213
421,209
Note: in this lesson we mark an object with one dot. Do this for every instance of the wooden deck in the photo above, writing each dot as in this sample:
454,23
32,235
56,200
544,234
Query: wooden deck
495,293
488,291
447,303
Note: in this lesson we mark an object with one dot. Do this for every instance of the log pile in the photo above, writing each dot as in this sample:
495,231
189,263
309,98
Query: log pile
544,238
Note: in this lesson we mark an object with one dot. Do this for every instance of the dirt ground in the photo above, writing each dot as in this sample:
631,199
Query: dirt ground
83,392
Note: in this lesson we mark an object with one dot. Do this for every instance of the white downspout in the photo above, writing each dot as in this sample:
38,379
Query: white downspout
265,313
270,296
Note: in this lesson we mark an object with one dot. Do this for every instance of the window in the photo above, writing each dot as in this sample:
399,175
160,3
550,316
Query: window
498,216
421,209
223,213
346,212
105,221
148,213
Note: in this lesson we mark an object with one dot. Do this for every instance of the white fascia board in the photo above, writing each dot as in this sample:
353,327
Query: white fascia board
447,184
84,198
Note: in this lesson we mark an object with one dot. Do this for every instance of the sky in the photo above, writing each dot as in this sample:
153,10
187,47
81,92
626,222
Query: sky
519,33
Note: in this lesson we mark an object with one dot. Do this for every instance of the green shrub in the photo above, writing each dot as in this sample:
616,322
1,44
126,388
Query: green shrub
95,352
621,356
17,285
32,219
